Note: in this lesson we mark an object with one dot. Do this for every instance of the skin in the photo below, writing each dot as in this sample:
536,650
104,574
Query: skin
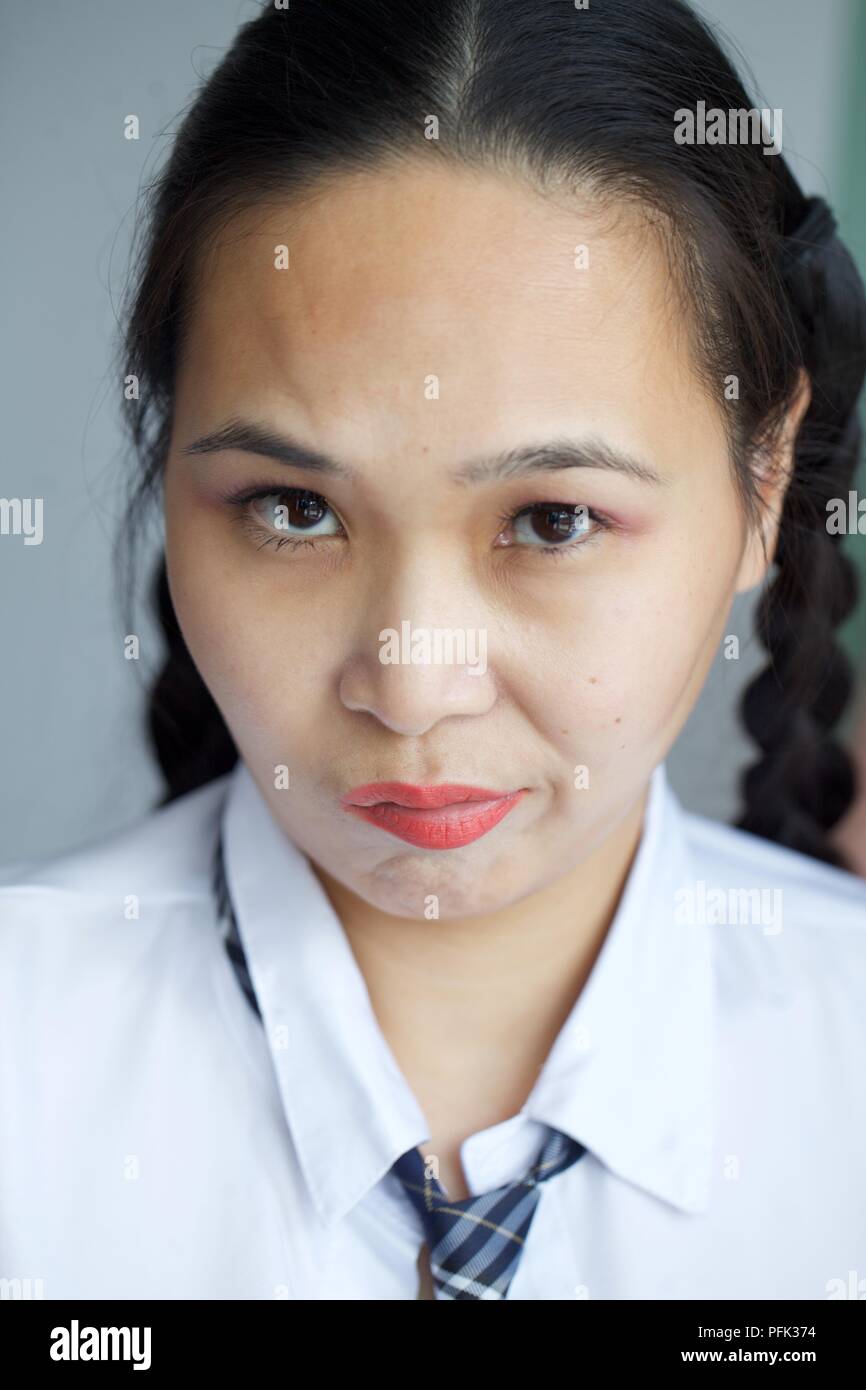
850,833
595,656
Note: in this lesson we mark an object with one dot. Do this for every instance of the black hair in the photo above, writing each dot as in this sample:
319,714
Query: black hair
563,98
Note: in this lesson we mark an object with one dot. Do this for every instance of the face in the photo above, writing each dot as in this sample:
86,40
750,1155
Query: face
428,403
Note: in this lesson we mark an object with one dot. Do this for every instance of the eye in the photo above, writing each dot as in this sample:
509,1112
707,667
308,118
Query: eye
551,526
289,516
296,512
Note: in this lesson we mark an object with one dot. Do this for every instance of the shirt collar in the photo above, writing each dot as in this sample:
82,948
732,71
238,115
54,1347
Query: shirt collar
628,1074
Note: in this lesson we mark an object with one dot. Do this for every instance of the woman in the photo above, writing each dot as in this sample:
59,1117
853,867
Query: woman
473,390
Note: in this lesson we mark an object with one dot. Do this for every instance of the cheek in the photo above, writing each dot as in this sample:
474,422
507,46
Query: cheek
668,639
622,658
247,635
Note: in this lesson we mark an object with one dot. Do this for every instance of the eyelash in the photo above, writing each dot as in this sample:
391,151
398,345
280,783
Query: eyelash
253,527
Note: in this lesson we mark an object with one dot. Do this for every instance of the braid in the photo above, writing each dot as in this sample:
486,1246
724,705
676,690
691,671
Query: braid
187,731
805,780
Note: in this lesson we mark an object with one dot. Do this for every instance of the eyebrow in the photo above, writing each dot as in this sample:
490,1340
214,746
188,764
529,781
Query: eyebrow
591,452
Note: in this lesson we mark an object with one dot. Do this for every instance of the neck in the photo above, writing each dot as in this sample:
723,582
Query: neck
474,1004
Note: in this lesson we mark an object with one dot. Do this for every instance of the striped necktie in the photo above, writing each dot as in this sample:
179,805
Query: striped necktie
475,1243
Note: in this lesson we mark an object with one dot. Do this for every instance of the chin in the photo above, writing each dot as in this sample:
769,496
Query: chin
424,889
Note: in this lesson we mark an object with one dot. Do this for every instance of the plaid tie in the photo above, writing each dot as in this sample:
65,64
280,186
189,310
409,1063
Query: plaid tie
475,1243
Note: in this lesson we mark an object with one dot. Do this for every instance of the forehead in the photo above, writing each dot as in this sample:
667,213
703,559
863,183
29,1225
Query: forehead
414,284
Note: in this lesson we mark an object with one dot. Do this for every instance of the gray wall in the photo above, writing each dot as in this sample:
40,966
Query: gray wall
74,762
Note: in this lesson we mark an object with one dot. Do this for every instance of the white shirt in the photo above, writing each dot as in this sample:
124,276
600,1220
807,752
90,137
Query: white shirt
156,1141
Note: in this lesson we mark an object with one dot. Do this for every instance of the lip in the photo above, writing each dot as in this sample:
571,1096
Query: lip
446,816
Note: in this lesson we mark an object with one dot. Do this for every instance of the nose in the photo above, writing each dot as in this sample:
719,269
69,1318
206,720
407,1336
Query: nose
422,669
411,698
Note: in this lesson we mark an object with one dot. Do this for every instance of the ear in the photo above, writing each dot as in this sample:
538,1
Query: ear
772,471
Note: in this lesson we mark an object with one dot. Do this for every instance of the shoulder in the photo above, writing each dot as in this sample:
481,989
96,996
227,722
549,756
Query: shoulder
109,960
783,922
165,850
783,936
98,907
814,893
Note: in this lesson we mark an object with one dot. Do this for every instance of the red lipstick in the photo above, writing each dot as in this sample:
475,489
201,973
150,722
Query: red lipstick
440,817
